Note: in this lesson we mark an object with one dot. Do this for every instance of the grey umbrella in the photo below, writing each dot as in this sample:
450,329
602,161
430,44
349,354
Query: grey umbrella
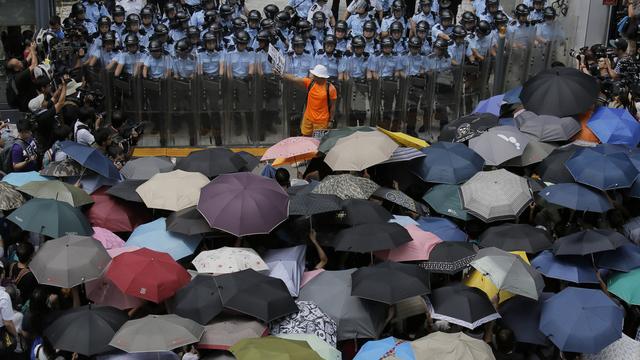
547,127
499,144
535,152
157,333
10,198
145,168
495,195
126,190
307,204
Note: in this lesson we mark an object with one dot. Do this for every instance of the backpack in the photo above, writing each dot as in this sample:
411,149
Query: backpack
11,92
5,154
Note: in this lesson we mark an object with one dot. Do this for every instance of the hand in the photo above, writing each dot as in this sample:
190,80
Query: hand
66,77
33,157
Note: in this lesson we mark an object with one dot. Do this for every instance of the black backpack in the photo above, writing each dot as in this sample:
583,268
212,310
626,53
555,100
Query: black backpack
11,92
5,154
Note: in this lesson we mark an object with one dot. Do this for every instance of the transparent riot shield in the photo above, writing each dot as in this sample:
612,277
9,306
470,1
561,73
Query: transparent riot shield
430,126
154,112
241,129
486,75
539,56
448,85
388,113
183,122
209,95
519,45
500,62
359,101
268,98
294,99
563,34
470,86
413,99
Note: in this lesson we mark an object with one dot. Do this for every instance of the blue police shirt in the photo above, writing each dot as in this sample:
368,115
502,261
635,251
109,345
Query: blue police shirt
301,6
210,61
385,65
330,62
299,65
94,11
184,67
430,18
240,62
355,66
157,67
414,64
130,60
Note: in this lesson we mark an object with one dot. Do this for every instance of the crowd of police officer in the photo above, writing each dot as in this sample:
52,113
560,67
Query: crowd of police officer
190,68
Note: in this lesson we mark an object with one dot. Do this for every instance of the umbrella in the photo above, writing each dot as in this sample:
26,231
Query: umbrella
490,105
359,151
188,221
404,140
581,320
467,127
199,301
516,237
361,212
10,198
499,144
371,237
450,257
624,348
154,236
385,348
397,197
456,346
552,168
417,249
144,168
604,171
51,218
466,306
356,318
287,264
447,163
21,178
108,239
121,355
273,347
560,92
443,228
615,126
403,220
522,316
308,204
329,140
576,197
175,190
513,96
103,291
588,242
546,127
625,286
624,259
212,162
496,195
126,190
508,272
91,158
402,154
535,152
68,261
244,204
576,269
346,187
310,319
389,282
476,279
147,274
445,199
115,214
92,182
64,168
57,190
85,330
227,260
291,147
326,351
157,333
224,331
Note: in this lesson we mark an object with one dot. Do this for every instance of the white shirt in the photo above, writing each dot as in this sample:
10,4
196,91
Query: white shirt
82,136
6,308
131,6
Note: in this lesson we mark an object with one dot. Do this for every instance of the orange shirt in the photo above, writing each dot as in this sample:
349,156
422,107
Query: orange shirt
316,110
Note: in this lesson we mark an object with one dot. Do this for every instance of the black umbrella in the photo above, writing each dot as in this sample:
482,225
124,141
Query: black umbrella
249,292
199,301
305,203
467,127
126,190
389,282
188,221
552,168
560,92
252,161
450,257
364,212
371,237
588,242
212,162
86,330
516,237
462,305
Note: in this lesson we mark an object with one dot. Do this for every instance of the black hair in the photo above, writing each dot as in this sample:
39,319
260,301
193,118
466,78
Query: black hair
62,132
69,114
117,119
25,251
24,125
282,177
505,340
102,135
54,20
87,115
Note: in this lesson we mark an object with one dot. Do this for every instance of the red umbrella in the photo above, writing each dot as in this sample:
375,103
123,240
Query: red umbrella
147,274
114,214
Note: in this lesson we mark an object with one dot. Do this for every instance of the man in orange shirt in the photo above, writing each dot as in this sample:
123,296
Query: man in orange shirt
321,100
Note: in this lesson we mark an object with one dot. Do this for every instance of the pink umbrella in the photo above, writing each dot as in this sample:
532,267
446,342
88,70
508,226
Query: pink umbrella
417,249
290,147
121,250
104,292
108,239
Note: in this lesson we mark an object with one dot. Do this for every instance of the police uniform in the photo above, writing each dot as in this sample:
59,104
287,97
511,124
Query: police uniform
519,33
371,46
319,35
426,46
302,7
431,18
437,63
197,19
129,61
343,44
90,26
482,44
105,57
358,95
310,46
387,21
550,31
356,23
458,51
94,11
119,29
536,15
143,38
386,66
148,30
184,68
154,99
177,34
400,46
438,29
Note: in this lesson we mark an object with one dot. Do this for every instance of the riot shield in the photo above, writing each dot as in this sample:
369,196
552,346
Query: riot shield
358,101
500,64
564,33
430,126
241,128
295,97
448,85
539,57
184,119
519,44
154,112
209,110
268,99
470,85
388,114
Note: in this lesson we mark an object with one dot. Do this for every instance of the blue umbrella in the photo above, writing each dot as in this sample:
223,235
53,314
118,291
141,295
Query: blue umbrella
18,179
154,236
490,105
615,126
91,158
448,163
442,228
522,316
602,167
380,349
634,190
576,197
513,96
624,258
581,320
576,269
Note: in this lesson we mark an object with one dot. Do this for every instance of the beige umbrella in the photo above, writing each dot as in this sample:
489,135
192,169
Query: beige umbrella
456,346
360,150
223,332
227,260
175,190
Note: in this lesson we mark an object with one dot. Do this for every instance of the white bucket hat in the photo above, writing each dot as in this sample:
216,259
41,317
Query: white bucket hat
72,87
320,71
36,103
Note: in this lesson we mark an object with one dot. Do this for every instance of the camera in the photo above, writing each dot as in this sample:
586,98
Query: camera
578,53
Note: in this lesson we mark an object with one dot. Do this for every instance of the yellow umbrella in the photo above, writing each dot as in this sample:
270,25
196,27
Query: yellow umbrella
404,139
477,280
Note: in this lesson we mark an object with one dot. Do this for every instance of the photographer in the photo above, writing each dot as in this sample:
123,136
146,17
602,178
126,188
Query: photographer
82,133
20,86
45,107
625,64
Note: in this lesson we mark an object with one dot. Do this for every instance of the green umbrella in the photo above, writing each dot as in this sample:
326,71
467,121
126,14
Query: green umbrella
51,218
332,137
10,198
273,348
326,351
445,200
625,286
57,190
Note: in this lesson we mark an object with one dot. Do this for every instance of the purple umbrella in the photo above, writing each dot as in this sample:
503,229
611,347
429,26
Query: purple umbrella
490,105
243,204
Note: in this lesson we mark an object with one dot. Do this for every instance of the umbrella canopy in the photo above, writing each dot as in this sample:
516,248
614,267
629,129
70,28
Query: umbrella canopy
602,169
576,197
443,228
108,239
397,197
624,259
456,346
273,347
244,204
121,355
385,348
227,260
51,218
522,316
496,195
115,214
389,282
467,127
356,318
402,154
576,269
91,158
154,236
417,249
499,144
624,348
466,306
447,163
329,139
144,168
625,286
10,198
85,330
92,182
199,301
157,333
615,126
547,127
516,237
68,261
588,242
212,162
126,190
287,264
309,320
404,140
326,351
224,331
560,92
535,152
291,147
64,168
508,272
103,291
346,187
255,294
552,168
450,257
371,237
147,274
361,212
188,221
581,320
57,190
490,105
445,199
476,279
175,190
359,151
22,178
307,204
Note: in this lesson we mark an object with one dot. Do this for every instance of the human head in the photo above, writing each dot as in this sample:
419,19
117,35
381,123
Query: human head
54,23
505,340
396,29
14,65
146,14
369,29
298,44
329,44
132,42
24,128
415,44
24,251
387,45
283,177
357,44
425,6
319,20
133,23
62,132
118,14
621,45
341,29
103,137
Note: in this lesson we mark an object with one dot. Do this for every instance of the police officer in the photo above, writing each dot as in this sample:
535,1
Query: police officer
269,89
193,34
387,67
78,16
300,60
399,42
197,18
356,22
491,8
179,28
537,12
170,13
283,23
104,26
354,69
158,62
147,16
301,7
458,50
397,15
129,61
278,39
210,64
94,10
369,31
240,59
107,53
253,22
118,21
329,57
520,30
469,21
184,71
320,29
479,42
549,29
423,33
270,11
426,14
438,62
342,35
443,29
414,69
303,29
133,28
439,58
161,32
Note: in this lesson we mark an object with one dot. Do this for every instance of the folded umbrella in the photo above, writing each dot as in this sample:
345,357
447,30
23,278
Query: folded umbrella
535,152
456,346
467,127
188,221
310,319
227,260
625,286
154,236
21,178
57,190
175,190
157,333
51,218
108,239
547,127
272,347
115,214
144,168
199,300
499,144
419,248
371,237
447,163
126,190
291,147
615,126
212,162
450,257
445,200
359,212
385,348
10,198
307,204
64,168
359,151
91,158
588,242
390,282
601,169
346,187
490,105
443,228
516,237
624,259
576,197
552,168
522,316
462,305
576,269
224,331
287,264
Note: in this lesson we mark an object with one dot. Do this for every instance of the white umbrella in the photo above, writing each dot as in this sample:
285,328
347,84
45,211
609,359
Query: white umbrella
227,260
